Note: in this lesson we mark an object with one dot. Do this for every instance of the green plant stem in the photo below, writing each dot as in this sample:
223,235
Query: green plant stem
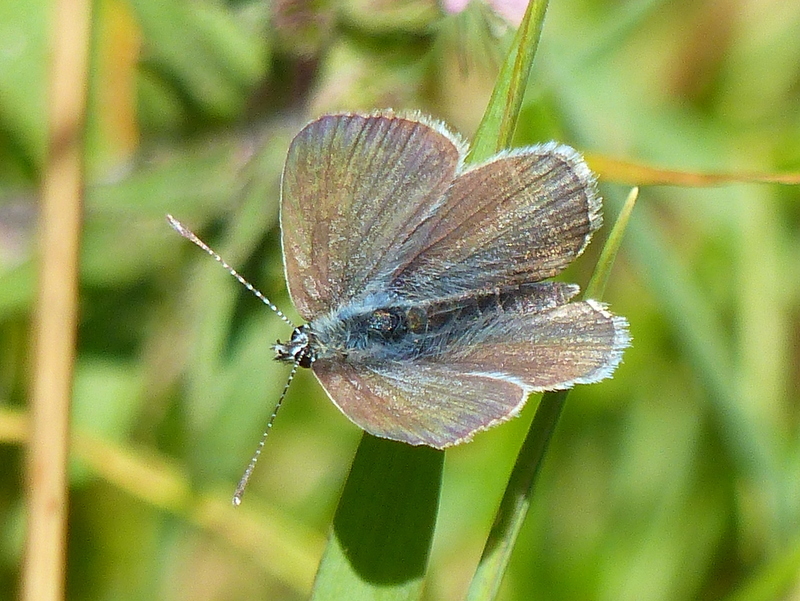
497,127
56,320
517,497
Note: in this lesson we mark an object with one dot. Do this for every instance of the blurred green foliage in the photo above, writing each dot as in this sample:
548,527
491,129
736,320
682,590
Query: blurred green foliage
678,479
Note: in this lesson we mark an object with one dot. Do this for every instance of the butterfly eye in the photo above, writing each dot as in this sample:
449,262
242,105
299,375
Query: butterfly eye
299,349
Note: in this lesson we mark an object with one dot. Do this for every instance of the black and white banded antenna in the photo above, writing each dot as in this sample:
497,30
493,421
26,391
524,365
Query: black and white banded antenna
239,492
190,235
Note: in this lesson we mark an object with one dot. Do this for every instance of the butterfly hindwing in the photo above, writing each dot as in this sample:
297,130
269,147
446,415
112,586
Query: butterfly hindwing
470,364
419,404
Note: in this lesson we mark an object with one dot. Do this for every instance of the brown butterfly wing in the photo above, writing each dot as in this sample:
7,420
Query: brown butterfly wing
519,218
354,188
419,404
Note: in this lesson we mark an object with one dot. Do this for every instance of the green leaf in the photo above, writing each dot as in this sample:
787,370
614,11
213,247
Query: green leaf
384,525
213,63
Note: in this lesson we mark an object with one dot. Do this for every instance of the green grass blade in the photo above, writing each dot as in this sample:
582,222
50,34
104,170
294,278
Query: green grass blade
384,524
497,126
516,500
517,497
597,284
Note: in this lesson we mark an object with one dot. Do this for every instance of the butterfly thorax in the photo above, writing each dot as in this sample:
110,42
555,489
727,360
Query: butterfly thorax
388,332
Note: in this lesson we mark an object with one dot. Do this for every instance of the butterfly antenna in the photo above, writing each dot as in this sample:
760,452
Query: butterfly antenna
190,235
237,495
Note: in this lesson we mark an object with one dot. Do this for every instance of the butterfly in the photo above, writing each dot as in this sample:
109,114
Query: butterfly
421,278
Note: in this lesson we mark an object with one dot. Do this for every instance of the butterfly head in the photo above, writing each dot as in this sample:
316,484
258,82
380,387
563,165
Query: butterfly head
299,349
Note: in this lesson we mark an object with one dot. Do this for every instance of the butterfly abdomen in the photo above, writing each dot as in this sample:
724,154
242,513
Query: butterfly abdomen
404,332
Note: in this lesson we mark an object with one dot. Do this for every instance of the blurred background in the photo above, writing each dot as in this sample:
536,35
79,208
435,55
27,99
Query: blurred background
678,479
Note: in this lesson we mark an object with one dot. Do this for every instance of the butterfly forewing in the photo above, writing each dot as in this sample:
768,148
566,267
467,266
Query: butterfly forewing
521,217
354,187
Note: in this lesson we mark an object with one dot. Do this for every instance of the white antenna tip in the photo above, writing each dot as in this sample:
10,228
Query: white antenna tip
178,226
